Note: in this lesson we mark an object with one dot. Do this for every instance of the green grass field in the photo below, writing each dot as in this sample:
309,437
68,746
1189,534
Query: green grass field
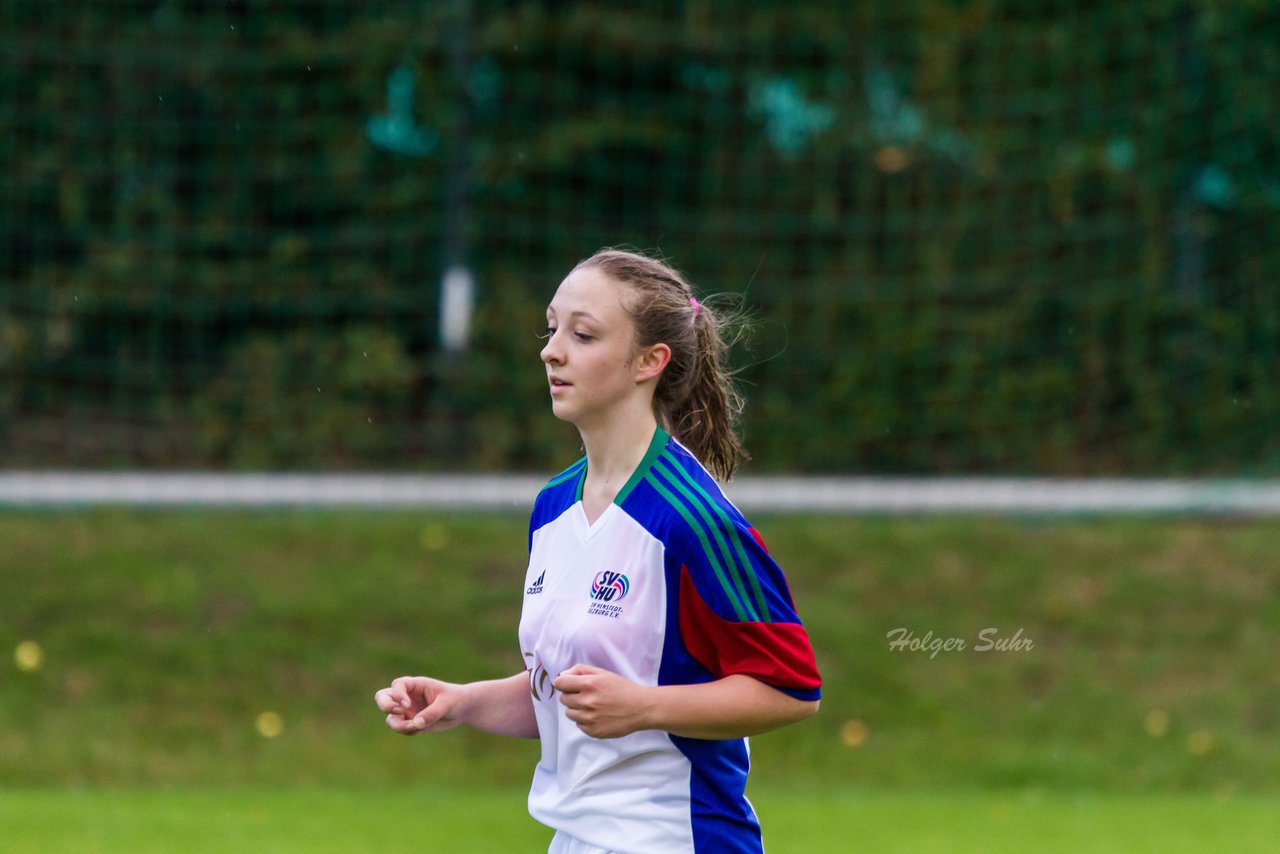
435,818
142,649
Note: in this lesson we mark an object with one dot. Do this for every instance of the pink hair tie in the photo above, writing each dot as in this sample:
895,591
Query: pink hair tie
697,306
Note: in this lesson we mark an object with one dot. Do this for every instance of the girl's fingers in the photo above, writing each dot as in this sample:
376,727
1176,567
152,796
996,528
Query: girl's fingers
404,727
426,718
393,702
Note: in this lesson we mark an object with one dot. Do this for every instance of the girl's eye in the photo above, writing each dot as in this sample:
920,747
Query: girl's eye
582,336
547,333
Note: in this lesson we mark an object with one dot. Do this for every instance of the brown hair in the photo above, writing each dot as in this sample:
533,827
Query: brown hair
695,399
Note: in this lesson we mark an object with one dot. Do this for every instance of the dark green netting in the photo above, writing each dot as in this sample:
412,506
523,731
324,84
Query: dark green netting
990,236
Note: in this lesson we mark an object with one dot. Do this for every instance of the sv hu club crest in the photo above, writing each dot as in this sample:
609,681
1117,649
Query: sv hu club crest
609,586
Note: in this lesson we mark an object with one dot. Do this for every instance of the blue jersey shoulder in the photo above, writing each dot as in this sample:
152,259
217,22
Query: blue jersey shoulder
683,506
557,496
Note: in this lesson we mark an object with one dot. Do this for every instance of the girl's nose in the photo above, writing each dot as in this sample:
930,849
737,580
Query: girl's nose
550,351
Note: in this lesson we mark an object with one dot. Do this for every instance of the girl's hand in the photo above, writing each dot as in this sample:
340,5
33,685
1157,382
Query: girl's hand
605,705
421,704
602,703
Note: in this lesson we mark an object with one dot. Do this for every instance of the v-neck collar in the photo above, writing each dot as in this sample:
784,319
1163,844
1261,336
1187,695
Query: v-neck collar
656,445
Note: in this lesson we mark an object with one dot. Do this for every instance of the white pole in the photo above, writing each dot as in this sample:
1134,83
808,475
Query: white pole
457,295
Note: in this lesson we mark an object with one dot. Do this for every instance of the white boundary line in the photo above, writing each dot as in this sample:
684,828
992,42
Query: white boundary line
760,493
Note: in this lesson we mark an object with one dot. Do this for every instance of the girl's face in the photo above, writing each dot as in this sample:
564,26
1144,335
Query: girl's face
590,351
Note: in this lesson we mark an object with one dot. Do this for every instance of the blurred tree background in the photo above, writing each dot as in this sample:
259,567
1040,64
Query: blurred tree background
977,235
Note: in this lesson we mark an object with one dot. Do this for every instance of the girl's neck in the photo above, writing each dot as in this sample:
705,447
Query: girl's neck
613,452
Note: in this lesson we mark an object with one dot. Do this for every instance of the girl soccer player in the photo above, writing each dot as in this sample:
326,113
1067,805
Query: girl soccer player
657,632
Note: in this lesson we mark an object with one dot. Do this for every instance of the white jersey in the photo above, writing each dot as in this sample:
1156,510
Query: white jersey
670,585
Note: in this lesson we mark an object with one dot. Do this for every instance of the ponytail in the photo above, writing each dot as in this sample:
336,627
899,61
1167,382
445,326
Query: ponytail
706,419
695,399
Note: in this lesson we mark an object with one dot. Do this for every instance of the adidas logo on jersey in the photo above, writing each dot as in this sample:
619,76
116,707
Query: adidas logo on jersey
536,587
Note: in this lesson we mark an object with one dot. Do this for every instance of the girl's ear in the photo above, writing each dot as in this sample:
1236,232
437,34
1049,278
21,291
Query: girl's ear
651,362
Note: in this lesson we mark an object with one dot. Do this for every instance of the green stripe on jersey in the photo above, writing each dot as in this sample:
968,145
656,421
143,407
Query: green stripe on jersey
762,606
656,445
706,546
571,471
736,570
